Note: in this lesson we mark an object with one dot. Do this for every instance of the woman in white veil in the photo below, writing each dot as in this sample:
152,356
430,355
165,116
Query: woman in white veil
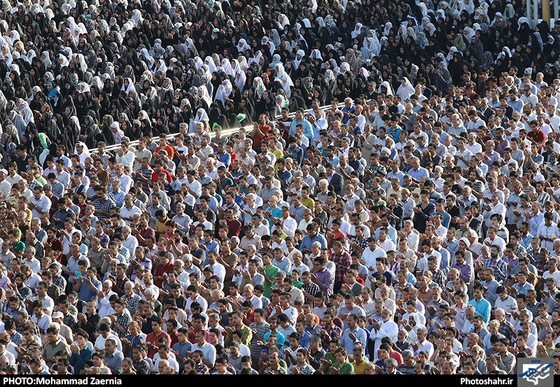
127,86
284,79
260,88
387,86
300,54
357,30
85,152
405,90
371,45
200,116
224,91
207,84
26,112
240,79
280,104
227,68
209,61
203,94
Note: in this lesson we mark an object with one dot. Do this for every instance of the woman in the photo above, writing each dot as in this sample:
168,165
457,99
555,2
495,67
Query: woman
405,90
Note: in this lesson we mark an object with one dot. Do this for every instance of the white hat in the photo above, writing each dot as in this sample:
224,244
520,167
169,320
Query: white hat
57,315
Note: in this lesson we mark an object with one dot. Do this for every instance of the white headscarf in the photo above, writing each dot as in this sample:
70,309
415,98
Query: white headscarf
226,67
301,54
387,86
224,91
85,153
210,63
357,30
260,88
406,90
284,79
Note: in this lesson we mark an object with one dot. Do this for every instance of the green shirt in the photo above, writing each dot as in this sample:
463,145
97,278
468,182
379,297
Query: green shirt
270,273
345,369
18,247
246,339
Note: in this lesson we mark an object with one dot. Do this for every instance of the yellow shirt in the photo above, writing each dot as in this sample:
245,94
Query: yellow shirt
359,367
161,228
309,203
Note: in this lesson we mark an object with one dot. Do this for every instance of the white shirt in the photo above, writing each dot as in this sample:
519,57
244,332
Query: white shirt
386,329
126,159
219,270
131,243
100,342
127,213
44,203
208,351
290,226
369,257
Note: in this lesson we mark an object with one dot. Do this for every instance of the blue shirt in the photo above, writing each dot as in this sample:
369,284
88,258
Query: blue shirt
523,289
446,218
307,242
86,293
418,174
298,212
392,234
307,128
225,158
397,174
348,343
482,308
296,153
134,341
285,265
304,340
395,133
118,198
182,350
280,336
274,213
346,118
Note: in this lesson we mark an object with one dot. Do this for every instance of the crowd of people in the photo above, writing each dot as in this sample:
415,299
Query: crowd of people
387,204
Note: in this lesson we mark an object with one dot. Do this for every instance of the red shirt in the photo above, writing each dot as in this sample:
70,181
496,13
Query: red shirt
148,231
537,136
234,228
168,149
257,139
151,338
155,175
160,269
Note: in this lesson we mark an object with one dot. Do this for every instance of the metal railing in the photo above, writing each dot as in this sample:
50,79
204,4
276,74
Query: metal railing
110,149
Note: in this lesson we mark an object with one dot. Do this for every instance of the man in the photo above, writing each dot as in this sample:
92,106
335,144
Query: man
205,349
380,330
39,203
505,359
154,338
113,356
341,365
103,204
353,334
165,356
342,260
481,305
236,324
422,344
54,345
